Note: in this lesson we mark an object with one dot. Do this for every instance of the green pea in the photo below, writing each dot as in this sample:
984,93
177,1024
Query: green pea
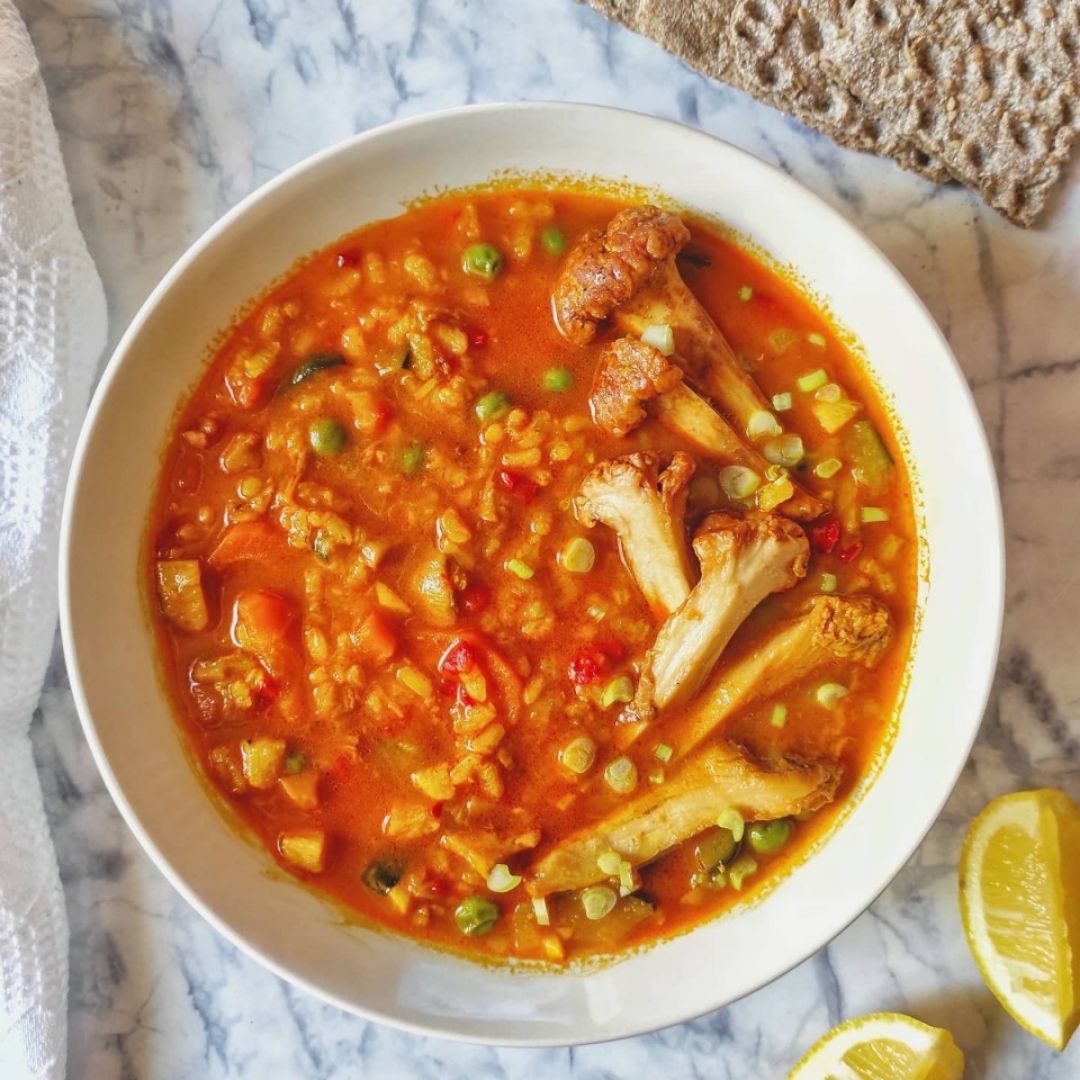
412,459
553,240
295,762
326,436
492,405
768,837
482,261
558,379
476,915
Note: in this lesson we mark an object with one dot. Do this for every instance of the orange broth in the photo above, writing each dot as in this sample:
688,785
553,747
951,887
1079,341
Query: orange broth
362,563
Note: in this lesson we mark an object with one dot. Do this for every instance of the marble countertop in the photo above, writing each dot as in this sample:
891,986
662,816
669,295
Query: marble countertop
170,112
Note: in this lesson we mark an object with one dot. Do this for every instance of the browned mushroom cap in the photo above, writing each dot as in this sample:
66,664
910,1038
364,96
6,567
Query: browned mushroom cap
606,267
630,372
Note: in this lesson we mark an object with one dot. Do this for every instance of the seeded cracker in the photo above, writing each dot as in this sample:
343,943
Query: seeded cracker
988,87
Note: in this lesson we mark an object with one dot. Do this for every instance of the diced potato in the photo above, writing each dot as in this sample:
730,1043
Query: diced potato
305,848
833,415
434,781
302,788
409,822
400,898
181,593
263,759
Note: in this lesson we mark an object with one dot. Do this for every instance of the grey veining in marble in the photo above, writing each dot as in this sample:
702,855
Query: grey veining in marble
170,111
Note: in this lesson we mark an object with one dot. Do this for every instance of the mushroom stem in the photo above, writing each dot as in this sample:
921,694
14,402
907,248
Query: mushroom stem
646,506
717,778
855,629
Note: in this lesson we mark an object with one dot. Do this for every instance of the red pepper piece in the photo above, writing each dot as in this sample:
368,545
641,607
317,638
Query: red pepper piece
460,657
850,552
349,257
521,486
825,536
587,665
478,338
475,598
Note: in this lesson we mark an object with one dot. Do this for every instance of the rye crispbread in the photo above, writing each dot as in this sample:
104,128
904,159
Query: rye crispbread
776,45
987,86
984,91
699,32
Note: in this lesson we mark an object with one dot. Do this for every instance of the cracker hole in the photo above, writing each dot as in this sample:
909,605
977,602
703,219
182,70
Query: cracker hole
767,73
924,119
811,35
755,11
1020,134
821,102
1068,44
1023,68
974,154
924,55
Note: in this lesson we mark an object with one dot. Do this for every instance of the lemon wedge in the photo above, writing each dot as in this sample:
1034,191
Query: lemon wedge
882,1046
1020,902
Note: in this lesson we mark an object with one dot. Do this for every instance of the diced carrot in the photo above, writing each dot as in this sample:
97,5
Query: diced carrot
246,540
262,622
375,638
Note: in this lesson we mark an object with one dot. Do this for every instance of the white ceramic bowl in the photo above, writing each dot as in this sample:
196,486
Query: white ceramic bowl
110,651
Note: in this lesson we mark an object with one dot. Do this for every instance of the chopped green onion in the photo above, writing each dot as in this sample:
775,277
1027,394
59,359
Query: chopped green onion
482,260
828,583
578,555
830,392
739,482
740,870
598,901
829,694
768,837
627,882
320,544
812,381
780,340
295,762
664,752
500,880
828,468
492,405
621,776
476,915
596,612
558,380
762,423
655,774
540,911
775,472
870,514
732,820
326,436
745,292
609,863
553,240
519,569
781,402
816,339
890,547
659,337
779,716
784,450
578,755
412,459
621,688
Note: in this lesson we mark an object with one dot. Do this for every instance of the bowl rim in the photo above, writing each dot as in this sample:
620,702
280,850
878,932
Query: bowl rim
833,220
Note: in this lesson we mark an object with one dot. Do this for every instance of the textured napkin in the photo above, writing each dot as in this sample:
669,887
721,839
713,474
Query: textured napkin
52,330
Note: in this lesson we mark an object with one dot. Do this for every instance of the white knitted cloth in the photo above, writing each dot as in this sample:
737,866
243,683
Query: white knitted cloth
52,330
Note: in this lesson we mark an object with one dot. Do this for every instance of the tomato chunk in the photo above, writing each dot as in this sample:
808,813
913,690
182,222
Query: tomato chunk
825,536
521,486
375,637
